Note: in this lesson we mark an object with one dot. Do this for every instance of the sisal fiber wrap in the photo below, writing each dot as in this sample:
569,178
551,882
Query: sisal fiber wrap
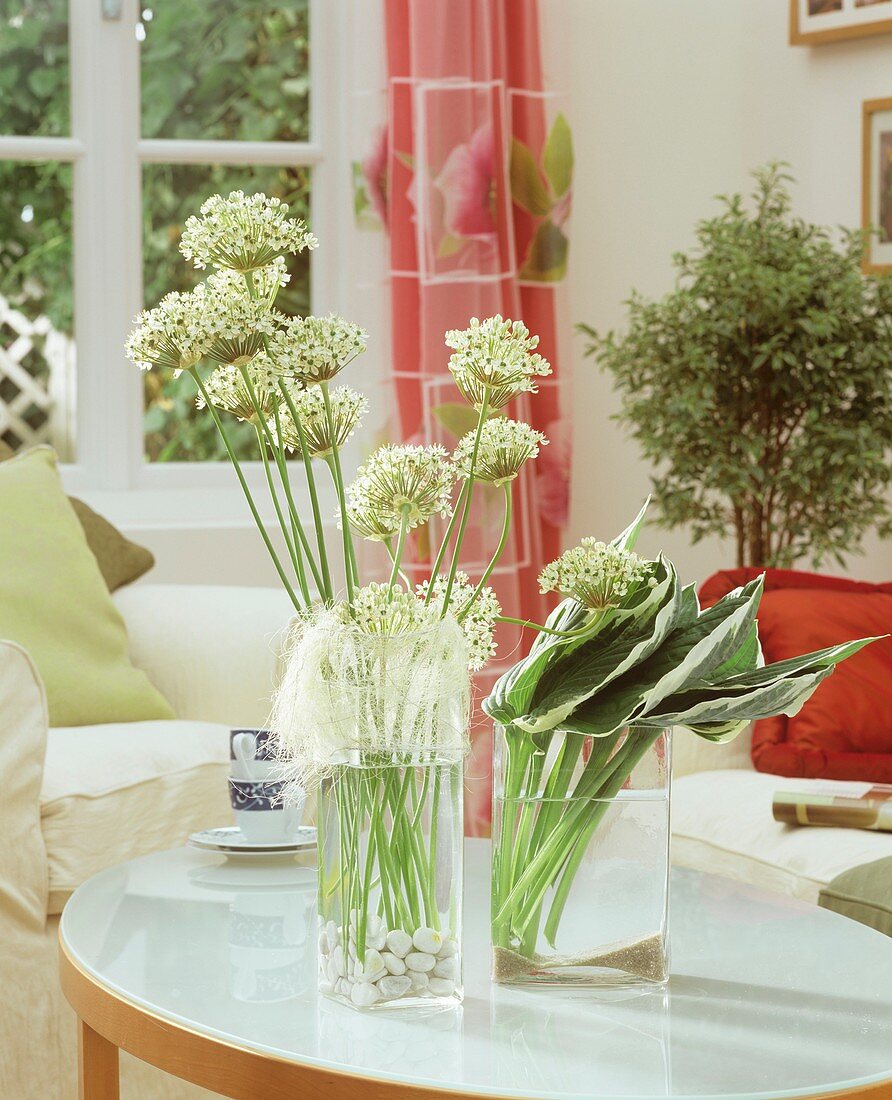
349,697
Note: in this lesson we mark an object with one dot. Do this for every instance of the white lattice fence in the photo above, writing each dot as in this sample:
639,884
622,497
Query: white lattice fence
36,382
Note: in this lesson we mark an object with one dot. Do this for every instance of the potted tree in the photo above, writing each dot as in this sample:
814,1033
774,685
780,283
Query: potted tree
761,386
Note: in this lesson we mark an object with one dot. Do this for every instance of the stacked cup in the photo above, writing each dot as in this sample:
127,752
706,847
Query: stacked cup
255,790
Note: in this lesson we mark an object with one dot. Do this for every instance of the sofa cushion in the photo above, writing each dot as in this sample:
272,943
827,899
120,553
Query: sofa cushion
114,792
722,822
54,603
120,560
845,730
864,894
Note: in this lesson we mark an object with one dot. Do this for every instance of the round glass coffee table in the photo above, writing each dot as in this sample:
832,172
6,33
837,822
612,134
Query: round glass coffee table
206,968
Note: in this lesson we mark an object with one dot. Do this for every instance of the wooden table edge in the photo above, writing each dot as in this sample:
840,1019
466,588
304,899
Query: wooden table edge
109,1022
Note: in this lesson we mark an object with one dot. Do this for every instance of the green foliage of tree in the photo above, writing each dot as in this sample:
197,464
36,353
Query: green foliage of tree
761,386
226,71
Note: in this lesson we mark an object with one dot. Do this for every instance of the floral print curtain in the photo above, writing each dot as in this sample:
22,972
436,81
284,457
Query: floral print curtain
469,173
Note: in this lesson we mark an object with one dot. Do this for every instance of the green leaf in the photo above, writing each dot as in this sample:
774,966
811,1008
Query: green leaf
546,258
626,539
459,419
593,665
527,188
689,651
557,159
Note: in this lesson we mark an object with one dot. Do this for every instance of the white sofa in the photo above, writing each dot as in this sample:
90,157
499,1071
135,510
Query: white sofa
722,822
77,800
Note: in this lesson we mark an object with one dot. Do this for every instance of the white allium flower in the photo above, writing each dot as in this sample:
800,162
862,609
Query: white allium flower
267,281
496,354
238,324
173,335
315,349
505,445
478,623
369,525
380,609
229,391
347,409
597,574
397,480
243,232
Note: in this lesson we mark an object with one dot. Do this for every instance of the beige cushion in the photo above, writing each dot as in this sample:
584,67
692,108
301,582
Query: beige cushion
115,792
691,753
722,822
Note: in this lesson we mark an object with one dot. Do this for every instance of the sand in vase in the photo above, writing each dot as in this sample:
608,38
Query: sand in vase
644,958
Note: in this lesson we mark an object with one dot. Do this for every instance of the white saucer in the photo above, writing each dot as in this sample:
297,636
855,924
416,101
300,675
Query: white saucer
231,841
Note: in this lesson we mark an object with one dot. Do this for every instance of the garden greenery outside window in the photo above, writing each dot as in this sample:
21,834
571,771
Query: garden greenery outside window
111,130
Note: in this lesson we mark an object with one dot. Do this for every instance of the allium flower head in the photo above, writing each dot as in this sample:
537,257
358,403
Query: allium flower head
228,390
505,445
477,623
498,355
316,349
173,335
237,323
403,480
243,232
347,408
597,574
369,525
380,609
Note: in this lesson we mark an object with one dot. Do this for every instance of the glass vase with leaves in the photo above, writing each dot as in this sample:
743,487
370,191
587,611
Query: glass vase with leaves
582,757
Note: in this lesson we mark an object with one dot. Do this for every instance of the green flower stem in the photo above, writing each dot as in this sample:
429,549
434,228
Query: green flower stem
388,546
335,467
293,549
520,751
297,525
544,869
503,539
634,748
278,450
438,560
466,510
580,633
283,576
398,553
325,588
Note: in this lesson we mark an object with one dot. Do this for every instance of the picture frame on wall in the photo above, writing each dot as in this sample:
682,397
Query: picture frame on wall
876,184
814,22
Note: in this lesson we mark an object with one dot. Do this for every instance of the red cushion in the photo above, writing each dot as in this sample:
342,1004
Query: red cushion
845,730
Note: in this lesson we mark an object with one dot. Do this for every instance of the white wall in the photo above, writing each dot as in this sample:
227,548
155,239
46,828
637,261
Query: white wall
674,103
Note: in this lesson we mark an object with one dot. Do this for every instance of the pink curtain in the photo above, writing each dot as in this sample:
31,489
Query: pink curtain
472,178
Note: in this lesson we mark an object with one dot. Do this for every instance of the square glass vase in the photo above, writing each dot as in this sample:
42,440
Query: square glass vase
580,871
390,882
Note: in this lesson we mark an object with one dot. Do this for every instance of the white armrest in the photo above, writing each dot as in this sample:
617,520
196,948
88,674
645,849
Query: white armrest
212,651
24,875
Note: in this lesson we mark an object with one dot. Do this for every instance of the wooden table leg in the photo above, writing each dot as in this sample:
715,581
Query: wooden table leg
97,1065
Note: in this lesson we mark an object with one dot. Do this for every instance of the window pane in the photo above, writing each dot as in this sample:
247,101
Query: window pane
233,70
34,68
175,431
36,330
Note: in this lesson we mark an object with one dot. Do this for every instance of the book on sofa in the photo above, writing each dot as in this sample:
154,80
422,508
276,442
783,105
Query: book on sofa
843,805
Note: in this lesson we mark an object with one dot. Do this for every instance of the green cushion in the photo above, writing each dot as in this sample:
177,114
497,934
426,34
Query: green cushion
54,602
863,893
120,560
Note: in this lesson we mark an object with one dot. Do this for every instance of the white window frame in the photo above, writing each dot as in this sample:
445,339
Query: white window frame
107,152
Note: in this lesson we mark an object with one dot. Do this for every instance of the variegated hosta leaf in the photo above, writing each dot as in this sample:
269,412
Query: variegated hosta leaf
627,539
572,680
750,704
692,650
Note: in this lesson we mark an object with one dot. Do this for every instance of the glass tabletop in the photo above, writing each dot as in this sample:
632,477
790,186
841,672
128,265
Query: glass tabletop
769,997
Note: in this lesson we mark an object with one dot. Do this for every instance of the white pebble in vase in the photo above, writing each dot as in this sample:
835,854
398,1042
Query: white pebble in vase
420,960
399,943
